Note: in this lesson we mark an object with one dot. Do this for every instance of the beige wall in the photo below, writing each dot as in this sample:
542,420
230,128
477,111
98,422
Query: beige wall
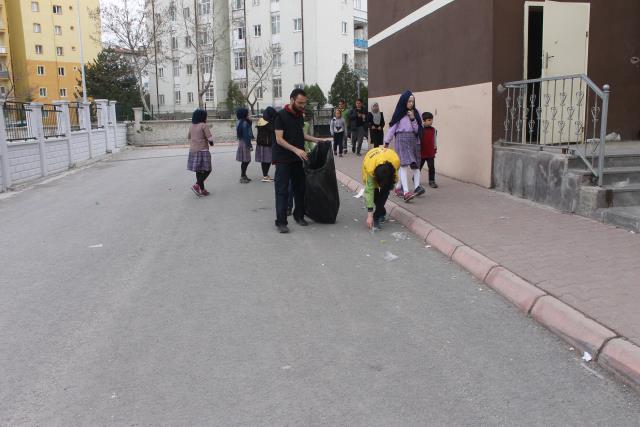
463,119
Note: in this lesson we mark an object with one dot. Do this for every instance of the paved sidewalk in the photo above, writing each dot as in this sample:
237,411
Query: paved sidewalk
590,266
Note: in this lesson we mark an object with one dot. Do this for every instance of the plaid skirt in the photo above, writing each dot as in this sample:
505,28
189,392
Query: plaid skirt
263,154
407,146
243,154
200,161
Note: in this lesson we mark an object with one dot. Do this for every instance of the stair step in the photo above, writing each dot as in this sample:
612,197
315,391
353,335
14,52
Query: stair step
610,161
626,217
624,194
617,176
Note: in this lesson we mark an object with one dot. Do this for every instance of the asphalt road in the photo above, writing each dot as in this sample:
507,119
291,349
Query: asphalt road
124,300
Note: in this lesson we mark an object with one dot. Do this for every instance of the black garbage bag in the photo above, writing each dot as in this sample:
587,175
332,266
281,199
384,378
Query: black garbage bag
322,199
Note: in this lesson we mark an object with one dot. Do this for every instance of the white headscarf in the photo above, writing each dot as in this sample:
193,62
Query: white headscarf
377,115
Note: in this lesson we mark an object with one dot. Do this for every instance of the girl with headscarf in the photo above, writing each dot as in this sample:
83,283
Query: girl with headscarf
245,135
265,140
375,120
406,130
199,161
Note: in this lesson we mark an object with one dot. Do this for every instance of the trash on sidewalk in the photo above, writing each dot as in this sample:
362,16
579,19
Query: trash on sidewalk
96,246
587,357
428,246
398,235
388,256
360,194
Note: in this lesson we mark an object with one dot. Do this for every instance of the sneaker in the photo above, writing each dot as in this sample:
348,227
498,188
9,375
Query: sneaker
196,189
282,229
382,219
248,179
204,192
302,223
376,225
420,191
408,196
399,192
433,184
244,180
265,179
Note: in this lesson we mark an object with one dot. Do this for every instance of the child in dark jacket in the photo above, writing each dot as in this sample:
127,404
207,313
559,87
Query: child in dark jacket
429,147
245,135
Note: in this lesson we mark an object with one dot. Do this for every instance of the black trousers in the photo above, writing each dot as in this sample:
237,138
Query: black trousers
376,137
338,139
284,172
431,163
201,177
379,200
265,168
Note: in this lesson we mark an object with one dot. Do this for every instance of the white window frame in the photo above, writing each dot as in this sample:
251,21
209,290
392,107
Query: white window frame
177,97
160,72
257,30
161,99
39,49
35,6
240,60
190,98
61,74
297,57
57,29
204,7
277,88
210,94
344,27
59,51
37,28
63,92
275,23
297,24
40,70
189,69
176,68
43,92
57,9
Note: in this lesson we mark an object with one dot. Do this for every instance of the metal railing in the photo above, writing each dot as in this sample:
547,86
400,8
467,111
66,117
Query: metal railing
95,112
17,116
75,116
51,121
567,113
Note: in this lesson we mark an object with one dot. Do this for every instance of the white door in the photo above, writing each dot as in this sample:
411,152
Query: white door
565,42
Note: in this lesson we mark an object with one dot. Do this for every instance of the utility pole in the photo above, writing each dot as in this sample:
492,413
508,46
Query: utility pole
155,52
246,50
302,22
195,14
84,74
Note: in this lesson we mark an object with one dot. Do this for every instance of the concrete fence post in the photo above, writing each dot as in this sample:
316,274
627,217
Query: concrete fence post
64,126
137,119
37,128
86,124
113,123
103,121
4,153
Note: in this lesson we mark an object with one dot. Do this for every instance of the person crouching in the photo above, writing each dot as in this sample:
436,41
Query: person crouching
379,175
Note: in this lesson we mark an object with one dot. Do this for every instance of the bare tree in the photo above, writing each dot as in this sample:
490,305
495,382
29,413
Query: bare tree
260,63
133,28
206,33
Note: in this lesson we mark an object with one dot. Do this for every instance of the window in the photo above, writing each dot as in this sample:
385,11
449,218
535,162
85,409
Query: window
344,27
277,88
239,59
39,49
161,72
161,99
174,43
259,92
40,70
299,86
277,59
186,12
257,30
237,4
256,2
63,93
345,58
58,30
61,71
190,97
187,41
35,6
207,65
204,7
189,69
172,12
176,68
297,58
59,51
275,24
210,94
3,91
239,33
258,62
37,28
43,92
178,97
357,4
159,45
297,24
57,10
203,37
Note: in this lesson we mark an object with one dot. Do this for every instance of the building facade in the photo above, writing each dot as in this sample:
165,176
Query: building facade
455,54
45,47
5,55
274,46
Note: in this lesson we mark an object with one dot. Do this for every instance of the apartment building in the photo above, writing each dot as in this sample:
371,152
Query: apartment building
273,47
5,57
45,47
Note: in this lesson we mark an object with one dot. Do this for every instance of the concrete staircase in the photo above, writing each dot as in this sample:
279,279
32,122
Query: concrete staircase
617,202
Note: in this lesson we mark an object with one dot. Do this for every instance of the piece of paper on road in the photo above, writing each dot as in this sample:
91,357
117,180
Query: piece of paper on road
388,256
360,194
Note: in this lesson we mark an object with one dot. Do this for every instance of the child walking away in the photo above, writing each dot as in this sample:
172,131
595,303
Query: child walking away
406,129
245,135
429,147
200,139
265,140
379,174
337,132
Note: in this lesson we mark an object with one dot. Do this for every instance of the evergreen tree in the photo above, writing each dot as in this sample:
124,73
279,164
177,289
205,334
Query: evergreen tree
235,98
315,95
345,86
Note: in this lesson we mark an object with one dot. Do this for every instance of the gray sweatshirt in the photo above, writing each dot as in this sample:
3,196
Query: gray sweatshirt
337,125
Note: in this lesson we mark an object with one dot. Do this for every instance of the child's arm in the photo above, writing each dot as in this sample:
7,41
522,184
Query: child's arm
332,126
208,135
369,190
390,134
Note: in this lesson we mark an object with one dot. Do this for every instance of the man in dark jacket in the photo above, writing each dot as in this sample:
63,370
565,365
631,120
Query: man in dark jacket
358,121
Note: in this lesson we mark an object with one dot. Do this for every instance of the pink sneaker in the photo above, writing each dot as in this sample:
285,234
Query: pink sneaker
399,192
204,192
196,189
408,196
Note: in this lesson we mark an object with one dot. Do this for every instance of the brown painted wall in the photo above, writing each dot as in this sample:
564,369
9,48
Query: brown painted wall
614,40
449,48
384,13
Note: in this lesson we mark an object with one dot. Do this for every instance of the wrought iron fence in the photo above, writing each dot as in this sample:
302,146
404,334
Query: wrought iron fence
95,111
567,113
75,116
17,116
124,113
51,121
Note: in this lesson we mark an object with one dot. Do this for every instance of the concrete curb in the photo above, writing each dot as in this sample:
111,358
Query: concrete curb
611,351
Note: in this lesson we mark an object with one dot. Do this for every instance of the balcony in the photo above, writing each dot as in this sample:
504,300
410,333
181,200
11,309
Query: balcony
4,74
3,50
363,73
361,44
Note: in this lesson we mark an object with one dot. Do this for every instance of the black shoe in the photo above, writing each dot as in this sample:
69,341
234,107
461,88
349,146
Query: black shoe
288,212
433,184
282,229
419,191
301,222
